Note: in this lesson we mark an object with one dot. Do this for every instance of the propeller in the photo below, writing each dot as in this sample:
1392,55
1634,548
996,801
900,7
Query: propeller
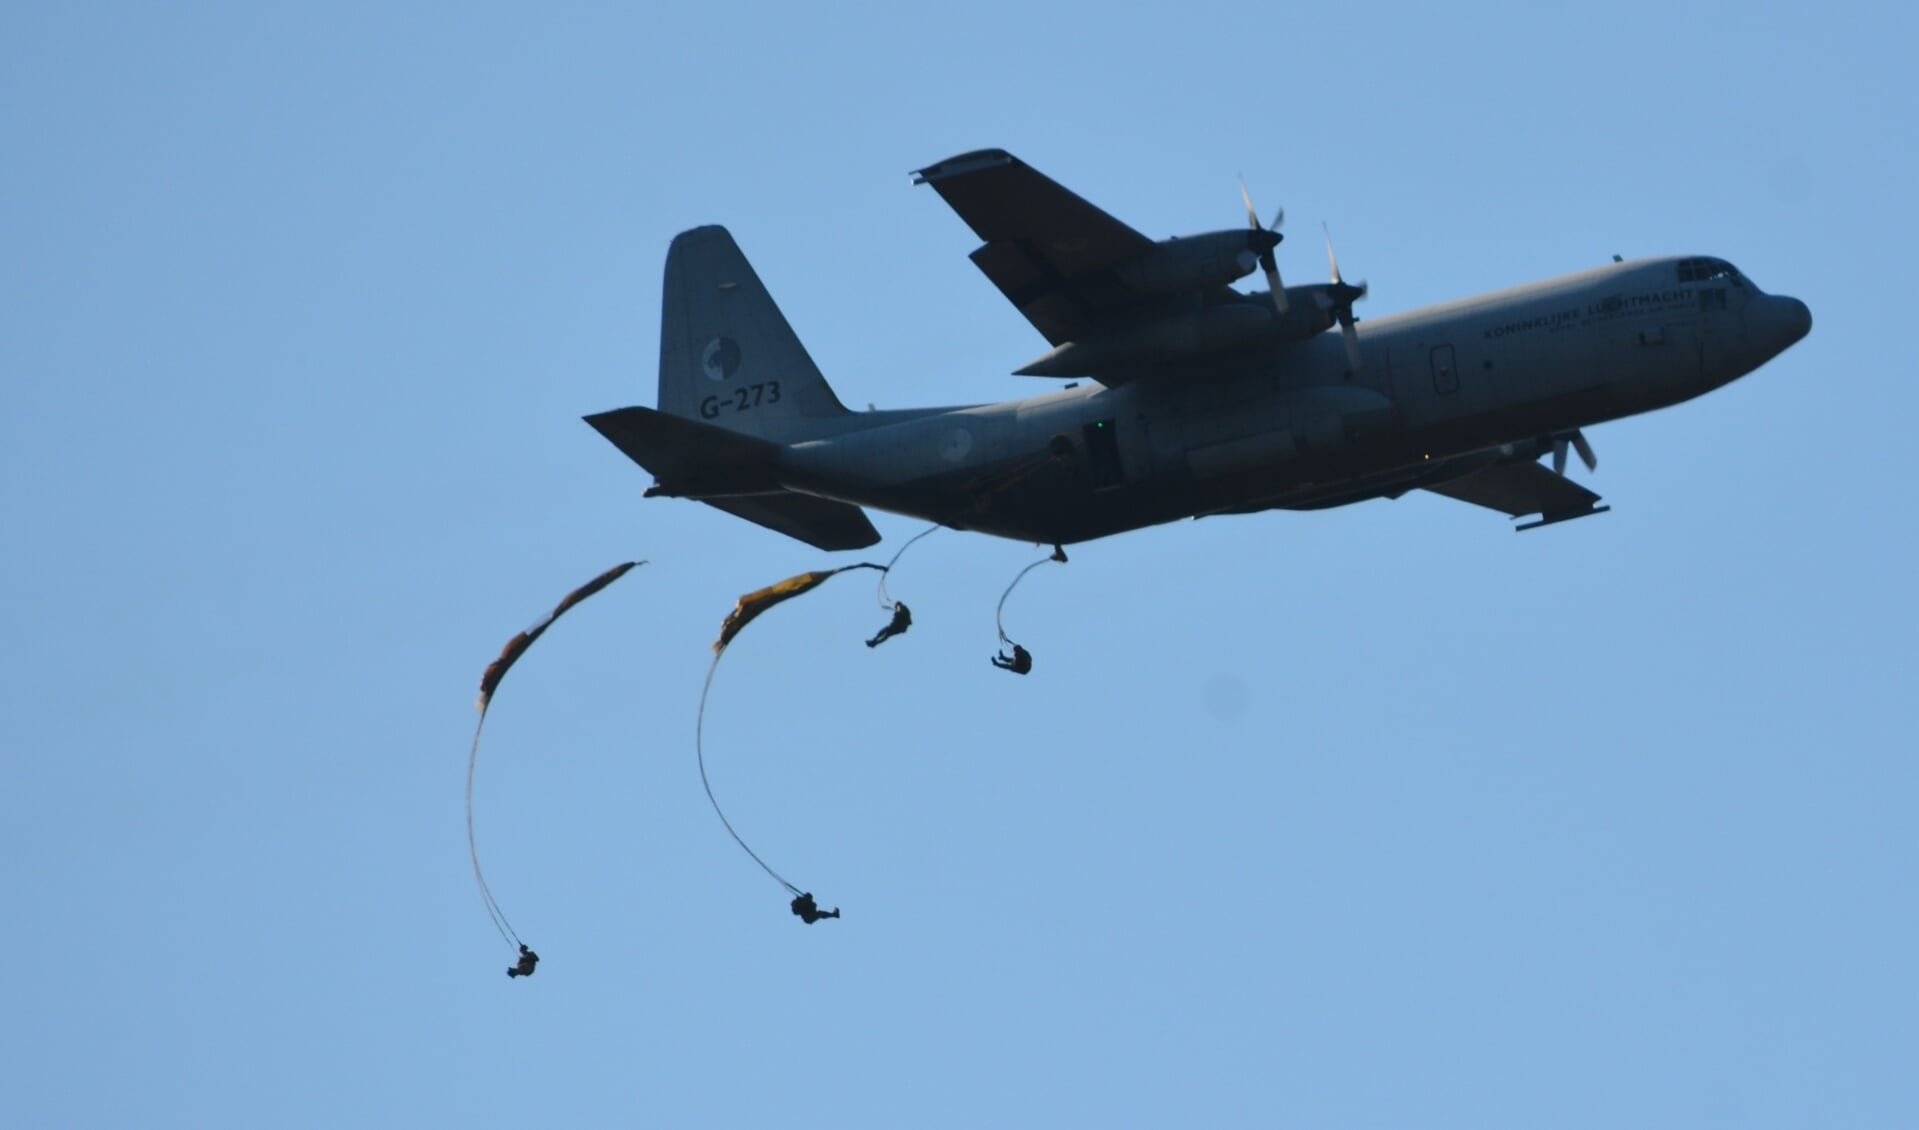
1341,304
1578,440
1268,262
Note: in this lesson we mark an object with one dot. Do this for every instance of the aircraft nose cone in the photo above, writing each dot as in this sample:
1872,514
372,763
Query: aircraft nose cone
1799,319
1780,322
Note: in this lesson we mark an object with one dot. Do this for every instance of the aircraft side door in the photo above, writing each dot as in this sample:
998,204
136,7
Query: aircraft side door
1101,449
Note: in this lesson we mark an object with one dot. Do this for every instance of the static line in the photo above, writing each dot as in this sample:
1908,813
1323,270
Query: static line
699,745
886,598
999,614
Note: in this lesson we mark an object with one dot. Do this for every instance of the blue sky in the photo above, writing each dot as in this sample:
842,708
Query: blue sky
1376,817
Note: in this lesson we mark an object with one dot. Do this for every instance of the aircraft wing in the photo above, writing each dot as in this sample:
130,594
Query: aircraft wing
1518,489
1051,253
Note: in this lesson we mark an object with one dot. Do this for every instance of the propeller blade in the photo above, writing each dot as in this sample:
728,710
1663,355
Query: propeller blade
1267,260
1252,213
1331,259
1271,263
1577,440
1585,450
1351,335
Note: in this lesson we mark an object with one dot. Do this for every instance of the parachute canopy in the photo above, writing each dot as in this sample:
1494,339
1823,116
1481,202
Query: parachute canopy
758,601
516,647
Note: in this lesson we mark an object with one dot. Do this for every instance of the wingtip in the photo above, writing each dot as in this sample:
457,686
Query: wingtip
962,164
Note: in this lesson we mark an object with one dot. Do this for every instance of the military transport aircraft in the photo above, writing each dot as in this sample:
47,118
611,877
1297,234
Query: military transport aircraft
1198,399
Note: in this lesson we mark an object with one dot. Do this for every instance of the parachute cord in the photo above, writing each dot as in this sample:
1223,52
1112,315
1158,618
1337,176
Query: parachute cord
699,745
886,598
999,614
473,846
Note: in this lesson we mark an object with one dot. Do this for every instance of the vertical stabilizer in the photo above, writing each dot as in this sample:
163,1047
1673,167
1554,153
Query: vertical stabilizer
727,356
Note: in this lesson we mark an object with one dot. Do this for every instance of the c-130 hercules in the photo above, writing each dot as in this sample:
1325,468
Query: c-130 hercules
1204,400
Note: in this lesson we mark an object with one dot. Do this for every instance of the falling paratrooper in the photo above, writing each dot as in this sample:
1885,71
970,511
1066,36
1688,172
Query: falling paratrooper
489,683
749,608
1020,662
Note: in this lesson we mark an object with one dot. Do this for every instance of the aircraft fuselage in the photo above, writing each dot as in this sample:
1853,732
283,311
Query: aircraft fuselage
1442,391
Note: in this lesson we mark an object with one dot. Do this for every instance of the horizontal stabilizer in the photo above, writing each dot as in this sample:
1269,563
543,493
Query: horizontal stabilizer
730,472
819,522
690,459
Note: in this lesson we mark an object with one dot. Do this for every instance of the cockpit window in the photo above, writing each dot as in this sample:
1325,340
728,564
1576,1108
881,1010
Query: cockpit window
1709,270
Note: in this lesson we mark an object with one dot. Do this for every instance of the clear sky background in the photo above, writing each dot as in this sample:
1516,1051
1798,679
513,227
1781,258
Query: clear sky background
1379,817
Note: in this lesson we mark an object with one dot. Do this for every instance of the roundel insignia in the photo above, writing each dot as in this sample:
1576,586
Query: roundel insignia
955,444
720,359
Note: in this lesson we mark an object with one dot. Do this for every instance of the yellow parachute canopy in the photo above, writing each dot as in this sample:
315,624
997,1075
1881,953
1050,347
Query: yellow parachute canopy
489,682
758,601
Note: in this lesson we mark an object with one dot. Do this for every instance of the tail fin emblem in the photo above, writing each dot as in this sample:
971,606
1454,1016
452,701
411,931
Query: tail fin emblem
720,359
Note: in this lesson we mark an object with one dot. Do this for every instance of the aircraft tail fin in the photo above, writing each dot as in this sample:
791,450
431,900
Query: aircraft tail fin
730,472
727,355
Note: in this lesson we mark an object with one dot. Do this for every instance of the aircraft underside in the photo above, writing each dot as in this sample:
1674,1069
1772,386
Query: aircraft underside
1067,497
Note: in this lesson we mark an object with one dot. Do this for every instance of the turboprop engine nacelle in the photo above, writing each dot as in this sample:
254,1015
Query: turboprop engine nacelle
1196,261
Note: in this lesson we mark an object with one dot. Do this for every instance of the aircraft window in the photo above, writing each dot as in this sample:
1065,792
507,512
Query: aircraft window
1709,270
